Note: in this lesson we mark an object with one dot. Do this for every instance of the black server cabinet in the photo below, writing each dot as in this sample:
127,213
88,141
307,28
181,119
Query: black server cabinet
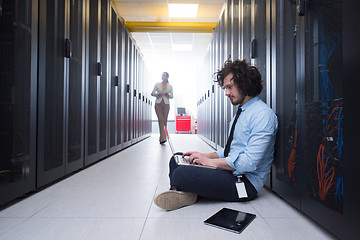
258,42
216,88
96,123
131,90
321,115
285,169
18,74
235,27
51,92
60,89
135,96
245,29
311,157
76,86
126,95
229,108
213,95
133,85
121,84
140,95
115,84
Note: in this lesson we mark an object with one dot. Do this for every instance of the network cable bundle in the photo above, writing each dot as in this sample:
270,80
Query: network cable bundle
291,148
324,118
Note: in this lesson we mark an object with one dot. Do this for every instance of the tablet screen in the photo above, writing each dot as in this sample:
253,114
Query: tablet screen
231,220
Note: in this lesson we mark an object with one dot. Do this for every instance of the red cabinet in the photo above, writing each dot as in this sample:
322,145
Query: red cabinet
183,124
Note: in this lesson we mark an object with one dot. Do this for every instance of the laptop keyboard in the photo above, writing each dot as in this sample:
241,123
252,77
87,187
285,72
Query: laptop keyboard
182,160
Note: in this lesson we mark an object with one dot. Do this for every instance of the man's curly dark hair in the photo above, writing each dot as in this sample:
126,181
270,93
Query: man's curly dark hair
247,78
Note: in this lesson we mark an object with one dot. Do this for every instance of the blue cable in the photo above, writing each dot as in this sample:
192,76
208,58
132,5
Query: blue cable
328,92
339,191
340,141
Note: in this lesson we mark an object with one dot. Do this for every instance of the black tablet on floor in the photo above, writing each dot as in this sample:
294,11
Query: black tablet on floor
230,219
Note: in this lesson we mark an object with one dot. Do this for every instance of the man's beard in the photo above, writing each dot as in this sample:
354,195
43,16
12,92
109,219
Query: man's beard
239,102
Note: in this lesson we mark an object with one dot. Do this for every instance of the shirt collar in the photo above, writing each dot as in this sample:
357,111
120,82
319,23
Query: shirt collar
249,103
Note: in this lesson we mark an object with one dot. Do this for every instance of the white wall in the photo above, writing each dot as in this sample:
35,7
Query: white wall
182,77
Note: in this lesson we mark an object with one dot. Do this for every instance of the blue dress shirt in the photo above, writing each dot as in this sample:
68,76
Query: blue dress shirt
252,148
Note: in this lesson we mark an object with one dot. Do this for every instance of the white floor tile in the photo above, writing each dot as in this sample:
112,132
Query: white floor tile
195,229
113,199
298,229
7,224
269,205
76,229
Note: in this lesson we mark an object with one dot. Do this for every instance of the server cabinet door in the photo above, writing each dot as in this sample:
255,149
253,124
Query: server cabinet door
51,94
285,170
134,97
322,115
131,90
103,111
258,42
245,29
76,81
96,124
94,69
126,95
228,30
235,26
18,70
141,82
114,84
121,87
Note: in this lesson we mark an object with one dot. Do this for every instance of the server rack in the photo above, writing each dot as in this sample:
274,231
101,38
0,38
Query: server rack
18,71
135,96
126,95
229,109
260,49
96,111
121,84
104,79
321,112
299,50
245,29
61,81
258,42
115,84
76,86
66,92
131,91
285,169
52,92
217,90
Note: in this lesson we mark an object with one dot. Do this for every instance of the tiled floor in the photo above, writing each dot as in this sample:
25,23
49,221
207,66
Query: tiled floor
113,200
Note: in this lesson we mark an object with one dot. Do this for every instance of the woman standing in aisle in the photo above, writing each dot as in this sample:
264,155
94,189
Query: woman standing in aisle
163,91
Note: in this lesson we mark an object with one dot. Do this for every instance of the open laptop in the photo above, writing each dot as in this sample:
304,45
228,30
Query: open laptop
179,159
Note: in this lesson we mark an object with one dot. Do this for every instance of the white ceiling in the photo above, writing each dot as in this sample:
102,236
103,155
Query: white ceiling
157,47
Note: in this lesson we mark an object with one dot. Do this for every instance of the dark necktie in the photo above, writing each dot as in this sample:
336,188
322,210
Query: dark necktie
227,147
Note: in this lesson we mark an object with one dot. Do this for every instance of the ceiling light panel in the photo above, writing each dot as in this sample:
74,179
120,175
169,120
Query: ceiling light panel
183,10
182,47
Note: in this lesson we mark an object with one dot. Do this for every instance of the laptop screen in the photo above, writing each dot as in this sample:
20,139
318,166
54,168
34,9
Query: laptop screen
168,138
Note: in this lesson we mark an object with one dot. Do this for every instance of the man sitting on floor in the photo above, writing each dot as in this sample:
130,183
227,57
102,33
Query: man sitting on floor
241,169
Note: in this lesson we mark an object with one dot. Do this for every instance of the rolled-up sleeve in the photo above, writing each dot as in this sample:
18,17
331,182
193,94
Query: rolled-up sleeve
220,153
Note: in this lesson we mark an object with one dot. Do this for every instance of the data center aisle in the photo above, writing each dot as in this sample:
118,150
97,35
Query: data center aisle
113,200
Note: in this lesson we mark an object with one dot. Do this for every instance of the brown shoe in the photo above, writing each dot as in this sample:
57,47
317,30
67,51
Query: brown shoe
171,200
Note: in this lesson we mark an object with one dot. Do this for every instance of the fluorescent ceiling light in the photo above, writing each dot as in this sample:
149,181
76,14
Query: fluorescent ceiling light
183,10
181,47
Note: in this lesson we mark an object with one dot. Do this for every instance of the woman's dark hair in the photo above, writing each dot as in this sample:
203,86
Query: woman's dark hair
167,74
247,78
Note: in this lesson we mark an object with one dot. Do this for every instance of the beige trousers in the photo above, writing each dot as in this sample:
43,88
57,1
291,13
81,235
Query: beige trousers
162,112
